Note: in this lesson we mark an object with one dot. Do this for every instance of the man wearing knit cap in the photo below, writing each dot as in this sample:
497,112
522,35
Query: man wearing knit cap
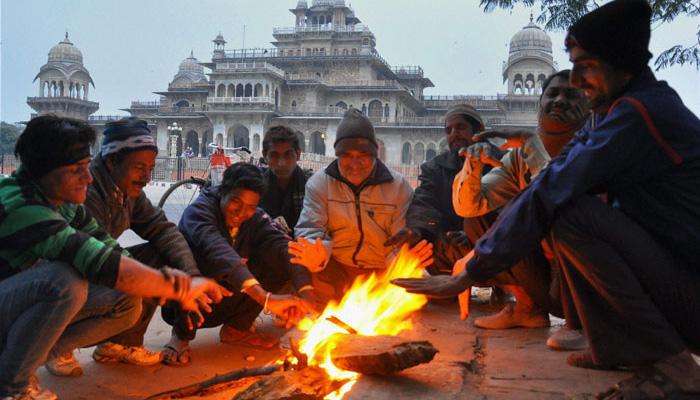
632,262
117,201
350,209
430,215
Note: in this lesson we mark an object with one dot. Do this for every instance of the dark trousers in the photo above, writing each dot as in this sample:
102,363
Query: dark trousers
146,254
636,301
238,311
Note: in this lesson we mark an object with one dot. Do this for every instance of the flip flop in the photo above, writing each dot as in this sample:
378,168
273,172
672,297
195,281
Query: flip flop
175,358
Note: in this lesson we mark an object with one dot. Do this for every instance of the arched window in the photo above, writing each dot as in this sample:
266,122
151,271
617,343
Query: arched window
256,143
318,143
294,104
431,152
375,109
382,149
231,90
258,90
345,52
341,105
418,153
302,140
182,103
267,90
354,52
219,139
239,90
406,153
248,90
221,90
386,110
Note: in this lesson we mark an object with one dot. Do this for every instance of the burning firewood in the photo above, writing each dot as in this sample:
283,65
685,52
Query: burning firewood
379,355
310,383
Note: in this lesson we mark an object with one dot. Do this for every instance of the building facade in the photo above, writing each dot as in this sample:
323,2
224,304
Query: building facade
324,64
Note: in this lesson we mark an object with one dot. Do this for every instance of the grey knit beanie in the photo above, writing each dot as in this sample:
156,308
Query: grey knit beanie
355,125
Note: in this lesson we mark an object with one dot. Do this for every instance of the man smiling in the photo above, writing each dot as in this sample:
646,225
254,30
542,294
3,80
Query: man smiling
631,263
116,199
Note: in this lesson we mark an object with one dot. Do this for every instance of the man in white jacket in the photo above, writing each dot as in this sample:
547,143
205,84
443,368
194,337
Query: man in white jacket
350,209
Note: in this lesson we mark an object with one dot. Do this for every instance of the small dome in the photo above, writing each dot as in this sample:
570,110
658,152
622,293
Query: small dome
189,72
302,4
64,51
531,37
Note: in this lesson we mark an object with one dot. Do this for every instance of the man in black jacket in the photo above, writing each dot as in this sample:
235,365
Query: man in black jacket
285,180
239,246
431,215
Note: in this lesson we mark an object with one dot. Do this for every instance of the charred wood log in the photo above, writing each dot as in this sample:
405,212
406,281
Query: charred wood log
216,384
311,383
379,355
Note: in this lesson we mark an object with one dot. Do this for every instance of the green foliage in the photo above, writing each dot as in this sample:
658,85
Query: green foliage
8,136
560,14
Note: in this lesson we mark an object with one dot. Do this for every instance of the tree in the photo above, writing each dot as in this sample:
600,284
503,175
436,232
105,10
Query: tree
560,14
8,136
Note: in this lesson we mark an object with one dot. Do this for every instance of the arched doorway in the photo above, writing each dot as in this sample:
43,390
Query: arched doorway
238,136
318,143
256,143
192,141
206,139
219,139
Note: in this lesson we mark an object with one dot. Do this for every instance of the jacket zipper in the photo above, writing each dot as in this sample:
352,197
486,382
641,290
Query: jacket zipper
358,213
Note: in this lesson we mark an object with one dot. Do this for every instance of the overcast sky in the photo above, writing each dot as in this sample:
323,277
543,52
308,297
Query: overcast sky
133,48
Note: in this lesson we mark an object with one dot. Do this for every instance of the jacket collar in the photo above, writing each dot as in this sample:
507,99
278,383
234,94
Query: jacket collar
381,174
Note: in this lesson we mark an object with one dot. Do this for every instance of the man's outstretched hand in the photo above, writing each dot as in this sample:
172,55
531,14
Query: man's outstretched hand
436,286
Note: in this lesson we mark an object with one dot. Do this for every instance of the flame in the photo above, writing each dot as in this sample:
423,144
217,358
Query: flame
372,306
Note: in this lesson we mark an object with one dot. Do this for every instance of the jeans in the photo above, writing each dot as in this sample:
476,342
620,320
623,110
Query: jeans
49,310
636,301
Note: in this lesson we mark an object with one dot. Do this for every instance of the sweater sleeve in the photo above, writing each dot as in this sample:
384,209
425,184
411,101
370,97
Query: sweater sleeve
313,220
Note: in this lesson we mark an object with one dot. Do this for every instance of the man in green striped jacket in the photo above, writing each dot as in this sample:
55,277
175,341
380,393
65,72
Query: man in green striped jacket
57,266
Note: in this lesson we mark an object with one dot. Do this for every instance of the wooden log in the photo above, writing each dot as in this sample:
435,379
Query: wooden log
310,383
379,355
216,384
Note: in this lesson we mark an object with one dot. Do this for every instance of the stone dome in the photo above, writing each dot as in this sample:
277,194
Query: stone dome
64,51
302,4
189,72
531,37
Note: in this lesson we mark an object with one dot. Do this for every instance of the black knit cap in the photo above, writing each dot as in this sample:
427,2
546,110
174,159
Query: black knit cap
355,125
617,32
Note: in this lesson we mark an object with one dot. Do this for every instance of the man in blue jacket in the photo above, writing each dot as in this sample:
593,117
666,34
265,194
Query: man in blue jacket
237,244
621,205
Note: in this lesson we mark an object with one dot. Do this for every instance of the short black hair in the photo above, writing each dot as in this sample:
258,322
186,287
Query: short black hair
50,141
242,176
564,73
280,134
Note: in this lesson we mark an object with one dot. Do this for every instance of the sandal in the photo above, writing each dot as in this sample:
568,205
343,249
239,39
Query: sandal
231,335
647,384
175,358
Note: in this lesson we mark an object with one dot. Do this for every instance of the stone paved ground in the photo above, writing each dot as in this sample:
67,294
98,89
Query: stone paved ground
472,364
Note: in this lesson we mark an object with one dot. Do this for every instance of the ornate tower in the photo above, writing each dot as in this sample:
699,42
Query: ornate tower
64,84
529,61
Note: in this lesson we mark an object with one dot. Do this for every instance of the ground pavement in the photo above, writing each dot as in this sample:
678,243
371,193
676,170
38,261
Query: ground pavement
472,363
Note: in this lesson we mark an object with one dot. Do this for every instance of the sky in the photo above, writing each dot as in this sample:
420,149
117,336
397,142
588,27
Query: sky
133,47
